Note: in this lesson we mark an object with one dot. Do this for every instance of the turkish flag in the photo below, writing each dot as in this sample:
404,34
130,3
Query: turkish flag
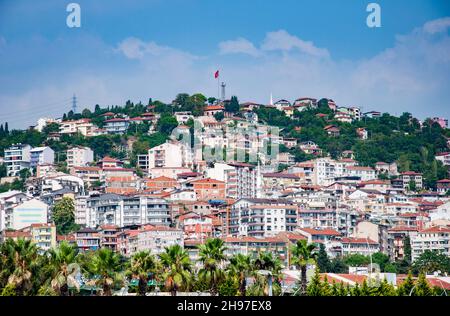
216,75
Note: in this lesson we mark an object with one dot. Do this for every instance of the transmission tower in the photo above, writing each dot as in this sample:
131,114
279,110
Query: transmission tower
74,103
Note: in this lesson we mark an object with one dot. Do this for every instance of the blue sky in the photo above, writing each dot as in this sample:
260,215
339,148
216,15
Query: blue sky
291,48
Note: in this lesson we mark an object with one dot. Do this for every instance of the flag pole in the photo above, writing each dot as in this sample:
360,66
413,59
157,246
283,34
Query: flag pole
218,88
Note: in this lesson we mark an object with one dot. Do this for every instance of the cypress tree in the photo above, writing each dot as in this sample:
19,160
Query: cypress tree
6,128
315,285
334,289
405,288
326,288
344,290
356,290
422,286
365,290
322,259
385,289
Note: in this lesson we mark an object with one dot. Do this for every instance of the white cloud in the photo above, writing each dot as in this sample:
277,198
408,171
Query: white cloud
240,45
437,26
134,48
282,40
413,75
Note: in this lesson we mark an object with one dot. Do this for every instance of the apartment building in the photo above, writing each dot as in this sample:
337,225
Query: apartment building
241,179
208,189
82,126
444,158
41,155
89,175
398,235
170,154
116,125
405,178
156,238
262,217
120,180
435,238
87,239
79,156
109,236
362,246
17,157
28,212
114,209
43,235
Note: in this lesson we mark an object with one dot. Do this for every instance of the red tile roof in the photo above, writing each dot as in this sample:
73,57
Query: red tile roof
351,240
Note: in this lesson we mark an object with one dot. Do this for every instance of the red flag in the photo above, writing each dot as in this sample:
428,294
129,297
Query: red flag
216,75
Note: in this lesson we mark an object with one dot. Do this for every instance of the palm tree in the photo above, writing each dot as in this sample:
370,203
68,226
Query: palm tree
302,255
21,257
212,256
105,266
176,268
267,261
63,268
141,264
240,266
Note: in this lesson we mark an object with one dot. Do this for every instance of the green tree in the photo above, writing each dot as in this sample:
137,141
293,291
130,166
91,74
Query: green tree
105,268
142,265
314,287
323,261
212,256
63,215
356,260
303,254
432,261
166,124
62,267
176,268
422,286
233,105
385,289
406,286
228,287
21,265
240,266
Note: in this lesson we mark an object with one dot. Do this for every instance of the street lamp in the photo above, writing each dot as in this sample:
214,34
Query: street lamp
269,279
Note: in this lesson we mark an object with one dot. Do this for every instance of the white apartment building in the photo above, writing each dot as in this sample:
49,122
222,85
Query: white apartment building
183,117
83,126
433,238
156,238
27,213
444,158
262,217
114,209
41,155
364,173
17,157
81,213
79,156
242,179
170,154
363,246
116,125
9,200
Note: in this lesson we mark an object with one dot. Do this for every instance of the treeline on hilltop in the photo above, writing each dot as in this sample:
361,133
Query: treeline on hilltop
391,139
27,271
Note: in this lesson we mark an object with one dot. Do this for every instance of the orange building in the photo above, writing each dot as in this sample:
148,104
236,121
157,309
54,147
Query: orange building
209,189
161,183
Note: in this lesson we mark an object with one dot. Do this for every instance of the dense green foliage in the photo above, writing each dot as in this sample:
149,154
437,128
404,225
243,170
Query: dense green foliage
25,271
